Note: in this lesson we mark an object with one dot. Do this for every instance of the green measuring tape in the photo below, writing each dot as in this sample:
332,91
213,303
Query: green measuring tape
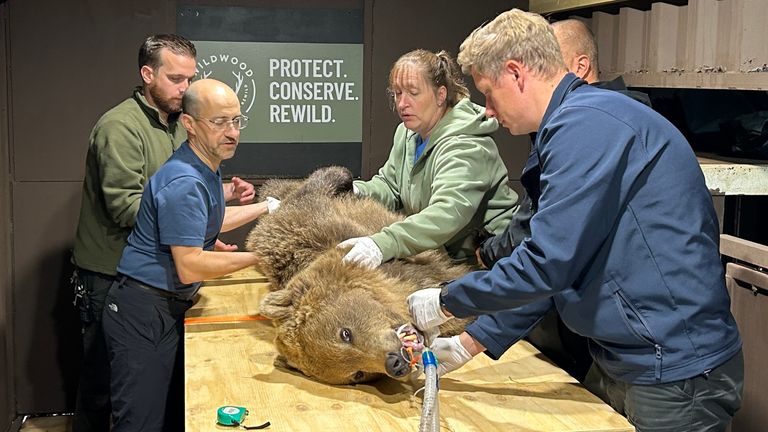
234,415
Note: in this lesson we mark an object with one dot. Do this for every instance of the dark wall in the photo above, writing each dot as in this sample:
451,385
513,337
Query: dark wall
7,410
404,25
70,62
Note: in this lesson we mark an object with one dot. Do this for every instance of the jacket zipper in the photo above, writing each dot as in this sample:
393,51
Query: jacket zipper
657,348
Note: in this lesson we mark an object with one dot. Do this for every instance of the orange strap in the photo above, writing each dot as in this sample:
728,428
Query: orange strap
223,319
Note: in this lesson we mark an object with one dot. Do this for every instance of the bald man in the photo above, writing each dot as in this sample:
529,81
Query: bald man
579,49
169,253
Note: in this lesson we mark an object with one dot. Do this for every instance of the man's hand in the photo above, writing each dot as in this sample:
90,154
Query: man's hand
220,246
364,252
272,204
240,190
450,354
425,310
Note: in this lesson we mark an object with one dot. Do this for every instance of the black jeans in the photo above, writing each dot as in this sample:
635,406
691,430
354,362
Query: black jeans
704,403
92,408
143,330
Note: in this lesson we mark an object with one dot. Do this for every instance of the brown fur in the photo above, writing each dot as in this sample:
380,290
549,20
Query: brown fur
335,322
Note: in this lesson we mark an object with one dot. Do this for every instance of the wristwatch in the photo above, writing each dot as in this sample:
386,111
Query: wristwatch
444,309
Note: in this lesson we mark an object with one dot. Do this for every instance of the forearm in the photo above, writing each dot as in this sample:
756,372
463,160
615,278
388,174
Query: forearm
470,344
229,191
236,216
195,264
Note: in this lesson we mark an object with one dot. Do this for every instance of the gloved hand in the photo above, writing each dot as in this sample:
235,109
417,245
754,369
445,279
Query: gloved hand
272,204
364,252
424,307
450,354
355,190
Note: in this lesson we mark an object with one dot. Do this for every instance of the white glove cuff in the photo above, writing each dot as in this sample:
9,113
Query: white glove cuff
272,204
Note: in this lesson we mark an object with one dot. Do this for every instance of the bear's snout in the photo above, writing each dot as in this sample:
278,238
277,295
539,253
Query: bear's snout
397,366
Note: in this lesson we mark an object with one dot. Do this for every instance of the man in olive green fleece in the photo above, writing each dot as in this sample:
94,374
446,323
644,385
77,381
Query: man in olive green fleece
444,171
127,146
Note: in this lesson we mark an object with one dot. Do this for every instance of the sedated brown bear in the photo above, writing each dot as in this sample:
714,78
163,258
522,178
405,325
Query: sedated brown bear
338,323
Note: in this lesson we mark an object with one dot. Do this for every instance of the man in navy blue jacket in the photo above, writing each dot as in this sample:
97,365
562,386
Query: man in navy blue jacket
624,242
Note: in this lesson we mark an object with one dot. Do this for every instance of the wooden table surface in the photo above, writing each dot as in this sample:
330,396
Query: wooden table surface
231,363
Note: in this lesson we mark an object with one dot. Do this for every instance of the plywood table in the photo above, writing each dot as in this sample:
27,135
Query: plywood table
230,362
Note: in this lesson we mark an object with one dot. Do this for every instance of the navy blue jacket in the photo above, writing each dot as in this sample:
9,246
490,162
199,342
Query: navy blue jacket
624,244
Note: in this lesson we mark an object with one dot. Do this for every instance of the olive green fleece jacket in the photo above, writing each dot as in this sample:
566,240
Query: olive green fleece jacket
127,146
458,184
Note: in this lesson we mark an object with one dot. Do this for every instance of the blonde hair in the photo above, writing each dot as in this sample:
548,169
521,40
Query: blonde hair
514,35
438,69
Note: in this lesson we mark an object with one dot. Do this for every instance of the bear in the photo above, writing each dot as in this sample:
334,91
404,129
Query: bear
339,323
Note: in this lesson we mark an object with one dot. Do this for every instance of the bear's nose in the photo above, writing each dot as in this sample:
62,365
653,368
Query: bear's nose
397,367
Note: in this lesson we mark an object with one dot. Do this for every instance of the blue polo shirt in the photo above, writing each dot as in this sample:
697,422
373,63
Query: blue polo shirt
182,205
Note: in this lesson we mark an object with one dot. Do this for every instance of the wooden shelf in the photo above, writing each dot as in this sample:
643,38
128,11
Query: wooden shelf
729,176
704,80
550,6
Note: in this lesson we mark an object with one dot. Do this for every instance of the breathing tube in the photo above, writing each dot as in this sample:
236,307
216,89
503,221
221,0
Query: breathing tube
430,417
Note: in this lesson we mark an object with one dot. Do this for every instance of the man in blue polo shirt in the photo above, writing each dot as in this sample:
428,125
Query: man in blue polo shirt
169,253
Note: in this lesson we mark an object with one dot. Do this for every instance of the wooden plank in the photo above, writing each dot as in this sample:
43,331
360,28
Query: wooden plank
757,280
744,250
606,30
632,44
710,80
666,37
702,35
548,6
748,33
232,364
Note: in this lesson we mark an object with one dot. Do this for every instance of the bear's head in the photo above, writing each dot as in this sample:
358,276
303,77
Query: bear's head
337,322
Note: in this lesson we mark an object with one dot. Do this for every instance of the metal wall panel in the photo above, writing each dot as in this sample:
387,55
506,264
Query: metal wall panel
7,410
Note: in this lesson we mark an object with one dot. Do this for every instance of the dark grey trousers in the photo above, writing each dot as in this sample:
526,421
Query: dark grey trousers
143,332
92,408
704,403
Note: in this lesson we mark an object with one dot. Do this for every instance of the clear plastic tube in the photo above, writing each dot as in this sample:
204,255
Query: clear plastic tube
430,416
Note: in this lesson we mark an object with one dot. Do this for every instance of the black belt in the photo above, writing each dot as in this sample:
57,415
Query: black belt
133,283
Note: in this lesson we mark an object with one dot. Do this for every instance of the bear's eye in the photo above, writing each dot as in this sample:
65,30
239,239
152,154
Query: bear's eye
346,335
359,375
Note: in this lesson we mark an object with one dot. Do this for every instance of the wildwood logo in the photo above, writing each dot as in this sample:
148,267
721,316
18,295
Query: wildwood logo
233,71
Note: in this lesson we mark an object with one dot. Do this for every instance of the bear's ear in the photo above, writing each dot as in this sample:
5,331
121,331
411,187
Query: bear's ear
277,305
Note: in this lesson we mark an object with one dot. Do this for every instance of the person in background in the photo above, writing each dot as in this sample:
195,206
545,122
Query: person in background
625,242
168,254
444,171
569,350
127,146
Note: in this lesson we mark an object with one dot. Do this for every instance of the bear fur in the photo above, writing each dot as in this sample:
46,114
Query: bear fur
337,322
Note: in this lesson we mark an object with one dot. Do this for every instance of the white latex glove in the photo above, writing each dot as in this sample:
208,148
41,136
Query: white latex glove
272,204
450,354
364,252
424,307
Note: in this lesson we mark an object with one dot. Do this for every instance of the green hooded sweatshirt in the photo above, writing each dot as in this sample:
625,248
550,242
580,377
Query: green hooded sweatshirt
127,146
458,184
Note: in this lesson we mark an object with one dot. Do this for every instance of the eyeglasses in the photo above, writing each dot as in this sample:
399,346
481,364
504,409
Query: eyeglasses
222,124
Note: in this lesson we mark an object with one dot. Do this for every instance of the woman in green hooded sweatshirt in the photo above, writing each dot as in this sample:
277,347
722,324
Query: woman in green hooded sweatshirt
444,171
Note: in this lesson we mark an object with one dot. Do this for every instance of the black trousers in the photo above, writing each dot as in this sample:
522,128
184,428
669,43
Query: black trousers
704,403
143,331
92,408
